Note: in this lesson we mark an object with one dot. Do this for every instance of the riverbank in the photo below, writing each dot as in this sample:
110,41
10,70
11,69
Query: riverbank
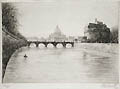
102,47
9,45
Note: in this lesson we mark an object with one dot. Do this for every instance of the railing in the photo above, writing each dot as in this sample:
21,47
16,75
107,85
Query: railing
50,41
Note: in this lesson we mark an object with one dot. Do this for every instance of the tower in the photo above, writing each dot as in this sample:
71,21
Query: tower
96,20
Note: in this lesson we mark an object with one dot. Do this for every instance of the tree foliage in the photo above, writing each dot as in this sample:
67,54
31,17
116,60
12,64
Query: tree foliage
10,19
114,35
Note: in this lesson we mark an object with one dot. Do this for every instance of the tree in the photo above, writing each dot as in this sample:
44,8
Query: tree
114,35
10,19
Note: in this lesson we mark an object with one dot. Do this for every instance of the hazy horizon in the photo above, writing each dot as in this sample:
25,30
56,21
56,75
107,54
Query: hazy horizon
39,19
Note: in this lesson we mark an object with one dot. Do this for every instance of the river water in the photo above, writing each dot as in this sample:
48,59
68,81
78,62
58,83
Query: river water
61,65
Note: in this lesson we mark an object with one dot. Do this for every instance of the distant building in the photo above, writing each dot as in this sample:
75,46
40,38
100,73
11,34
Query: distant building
42,39
57,35
97,32
82,38
71,38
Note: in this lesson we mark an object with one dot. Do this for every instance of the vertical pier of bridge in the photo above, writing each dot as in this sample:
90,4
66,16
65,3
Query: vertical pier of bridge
72,44
64,44
45,43
37,44
55,44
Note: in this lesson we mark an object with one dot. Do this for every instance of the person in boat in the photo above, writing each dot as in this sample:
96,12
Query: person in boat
25,56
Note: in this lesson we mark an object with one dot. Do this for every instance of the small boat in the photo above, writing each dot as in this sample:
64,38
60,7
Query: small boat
25,56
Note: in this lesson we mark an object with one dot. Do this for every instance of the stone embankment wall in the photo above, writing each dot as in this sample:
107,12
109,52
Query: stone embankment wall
10,44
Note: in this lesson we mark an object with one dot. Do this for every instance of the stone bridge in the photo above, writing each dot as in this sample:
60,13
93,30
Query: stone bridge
64,43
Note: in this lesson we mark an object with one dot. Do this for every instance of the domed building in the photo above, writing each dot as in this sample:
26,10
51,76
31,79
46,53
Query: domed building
57,35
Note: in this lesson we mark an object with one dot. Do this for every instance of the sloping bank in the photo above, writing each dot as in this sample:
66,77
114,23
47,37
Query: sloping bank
102,47
10,44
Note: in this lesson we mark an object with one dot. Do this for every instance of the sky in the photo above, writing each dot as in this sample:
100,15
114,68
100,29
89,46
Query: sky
39,19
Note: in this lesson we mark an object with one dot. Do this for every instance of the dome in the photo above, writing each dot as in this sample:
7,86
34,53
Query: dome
57,35
57,30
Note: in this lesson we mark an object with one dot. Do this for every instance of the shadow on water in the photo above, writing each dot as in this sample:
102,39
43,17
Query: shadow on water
101,67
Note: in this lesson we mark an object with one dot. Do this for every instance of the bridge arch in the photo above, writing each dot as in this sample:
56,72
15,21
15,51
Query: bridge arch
41,45
68,45
50,45
59,45
32,44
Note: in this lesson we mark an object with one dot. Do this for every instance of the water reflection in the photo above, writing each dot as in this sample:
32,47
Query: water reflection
60,65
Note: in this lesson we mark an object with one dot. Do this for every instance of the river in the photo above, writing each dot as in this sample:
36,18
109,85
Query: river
61,65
